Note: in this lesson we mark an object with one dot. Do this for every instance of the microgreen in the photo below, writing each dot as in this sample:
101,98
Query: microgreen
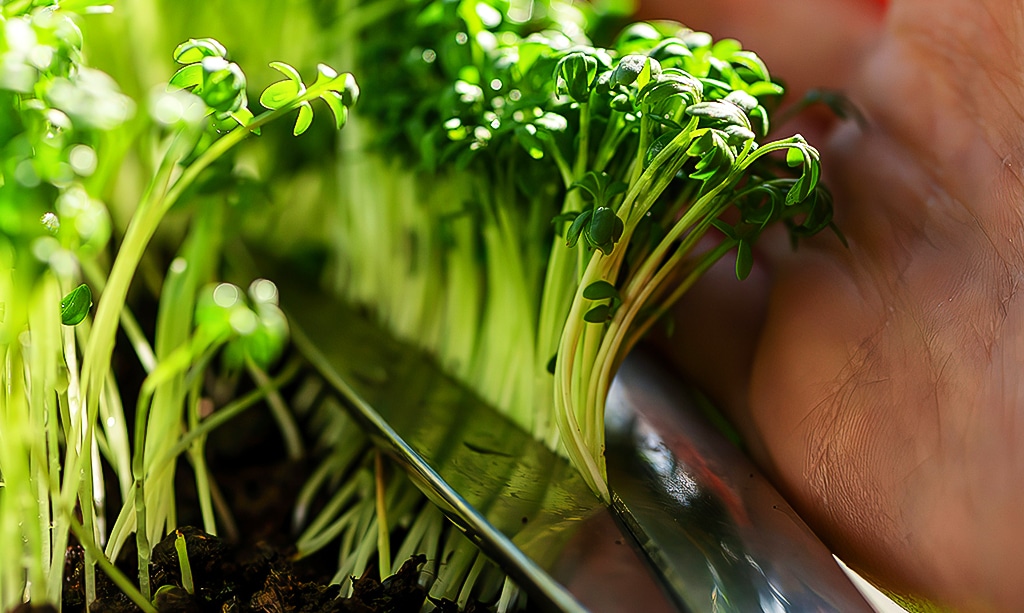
75,306
634,149
518,198
62,125
181,548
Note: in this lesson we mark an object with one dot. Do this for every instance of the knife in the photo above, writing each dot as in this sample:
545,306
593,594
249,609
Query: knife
693,525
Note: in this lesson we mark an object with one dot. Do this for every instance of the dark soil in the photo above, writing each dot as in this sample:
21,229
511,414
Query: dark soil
232,579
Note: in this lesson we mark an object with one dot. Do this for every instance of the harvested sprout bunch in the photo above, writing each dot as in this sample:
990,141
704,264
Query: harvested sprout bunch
534,203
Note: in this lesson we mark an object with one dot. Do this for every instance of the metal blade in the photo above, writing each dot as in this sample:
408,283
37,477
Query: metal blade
714,535
519,502
720,534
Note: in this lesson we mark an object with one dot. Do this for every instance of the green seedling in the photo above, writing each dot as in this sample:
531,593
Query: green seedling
548,196
75,306
63,129
186,569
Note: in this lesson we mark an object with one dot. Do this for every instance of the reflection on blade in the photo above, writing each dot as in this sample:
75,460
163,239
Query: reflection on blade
718,532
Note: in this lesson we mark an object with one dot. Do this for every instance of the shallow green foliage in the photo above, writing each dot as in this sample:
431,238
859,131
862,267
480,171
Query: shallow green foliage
64,128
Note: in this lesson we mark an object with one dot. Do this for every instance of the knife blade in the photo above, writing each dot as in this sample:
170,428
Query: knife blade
693,526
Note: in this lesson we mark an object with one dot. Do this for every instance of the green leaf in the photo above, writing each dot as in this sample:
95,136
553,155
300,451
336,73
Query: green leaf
724,228
599,290
350,91
671,85
720,111
671,51
598,315
737,135
750,61
794,156
764,88
628,70
744,260
288,71
639,34
75,306
808,180
726,48
326,76
187,76
716,157
743,100
703,143
803,188
333,100
223,85
572,235
244,117
575,74
195,49
650,71
604,230
279,94
305,118
621,103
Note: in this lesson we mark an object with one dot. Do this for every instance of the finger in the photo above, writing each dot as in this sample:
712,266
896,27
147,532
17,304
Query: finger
806,44
946,79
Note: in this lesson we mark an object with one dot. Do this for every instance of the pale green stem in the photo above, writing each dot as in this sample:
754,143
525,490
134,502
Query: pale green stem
383,529
282,415
196,454
181,548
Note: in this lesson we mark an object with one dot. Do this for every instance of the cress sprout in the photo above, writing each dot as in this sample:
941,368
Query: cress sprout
65,129
529,202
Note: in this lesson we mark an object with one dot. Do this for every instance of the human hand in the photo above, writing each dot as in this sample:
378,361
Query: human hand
886,391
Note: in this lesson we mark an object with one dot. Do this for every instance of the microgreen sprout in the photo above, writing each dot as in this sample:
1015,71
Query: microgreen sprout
61,123
75,306
181,548
220,85
574,182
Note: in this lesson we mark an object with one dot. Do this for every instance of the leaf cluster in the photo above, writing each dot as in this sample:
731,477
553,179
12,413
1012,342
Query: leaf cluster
221,85
476,89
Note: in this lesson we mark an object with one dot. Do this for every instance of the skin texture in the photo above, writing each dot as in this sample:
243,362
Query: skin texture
881,385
